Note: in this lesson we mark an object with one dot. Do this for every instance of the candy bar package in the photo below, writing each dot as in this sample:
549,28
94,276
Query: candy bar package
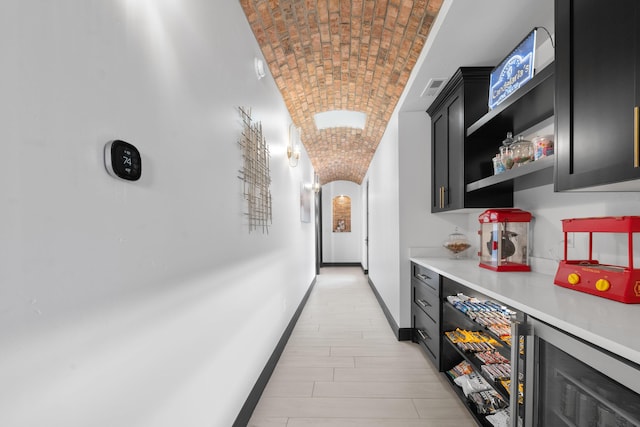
472,382
487,402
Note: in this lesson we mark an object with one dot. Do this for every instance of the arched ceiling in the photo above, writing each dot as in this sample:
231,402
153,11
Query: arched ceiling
341,55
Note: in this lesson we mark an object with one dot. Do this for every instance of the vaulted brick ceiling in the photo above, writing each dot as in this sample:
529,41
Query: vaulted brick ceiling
341,55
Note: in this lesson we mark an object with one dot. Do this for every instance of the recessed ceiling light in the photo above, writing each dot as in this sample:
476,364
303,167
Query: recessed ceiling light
340,119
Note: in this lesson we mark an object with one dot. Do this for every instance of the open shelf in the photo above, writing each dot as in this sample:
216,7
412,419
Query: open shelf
514,173
477,366
530,104
480,419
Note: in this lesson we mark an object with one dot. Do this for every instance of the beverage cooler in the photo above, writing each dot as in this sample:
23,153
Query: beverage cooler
574,384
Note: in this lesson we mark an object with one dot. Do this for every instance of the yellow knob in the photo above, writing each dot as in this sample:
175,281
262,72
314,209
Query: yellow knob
603,285
574,278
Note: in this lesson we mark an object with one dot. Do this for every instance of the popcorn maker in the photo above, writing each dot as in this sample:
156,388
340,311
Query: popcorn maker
619,283
504,236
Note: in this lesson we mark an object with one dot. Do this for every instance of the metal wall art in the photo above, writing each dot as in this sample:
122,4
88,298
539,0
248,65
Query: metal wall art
255,173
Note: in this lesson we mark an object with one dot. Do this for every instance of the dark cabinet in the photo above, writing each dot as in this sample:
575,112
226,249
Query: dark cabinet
531,105
456,159
425,311
597,94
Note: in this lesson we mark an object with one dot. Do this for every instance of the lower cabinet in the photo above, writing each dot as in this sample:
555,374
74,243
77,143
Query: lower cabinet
579,384
497,359
467,337
425,311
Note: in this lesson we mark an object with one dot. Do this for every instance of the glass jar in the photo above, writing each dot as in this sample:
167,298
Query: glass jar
457,243
506,157
498,167
522,151
542,147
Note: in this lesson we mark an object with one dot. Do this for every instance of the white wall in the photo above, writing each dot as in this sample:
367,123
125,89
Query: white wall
384,219
421,232
342,247
549,209
364,246
145,303
406,166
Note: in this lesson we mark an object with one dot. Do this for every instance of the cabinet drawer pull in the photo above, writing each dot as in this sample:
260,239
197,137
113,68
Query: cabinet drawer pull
423,276
424,303
636,138
423,335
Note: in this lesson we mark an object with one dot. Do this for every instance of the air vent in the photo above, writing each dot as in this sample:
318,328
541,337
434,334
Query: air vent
433,87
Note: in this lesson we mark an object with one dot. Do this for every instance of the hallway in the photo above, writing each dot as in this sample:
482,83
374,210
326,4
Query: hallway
343,367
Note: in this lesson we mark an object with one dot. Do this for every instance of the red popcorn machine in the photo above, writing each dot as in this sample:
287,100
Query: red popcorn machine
618,283
504,237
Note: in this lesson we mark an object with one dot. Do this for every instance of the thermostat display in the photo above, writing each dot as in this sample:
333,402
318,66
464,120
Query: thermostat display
123,160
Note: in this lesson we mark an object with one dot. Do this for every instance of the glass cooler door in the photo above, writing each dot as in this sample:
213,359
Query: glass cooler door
580,385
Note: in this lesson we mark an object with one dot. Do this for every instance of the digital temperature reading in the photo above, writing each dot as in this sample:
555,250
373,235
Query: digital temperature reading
123,160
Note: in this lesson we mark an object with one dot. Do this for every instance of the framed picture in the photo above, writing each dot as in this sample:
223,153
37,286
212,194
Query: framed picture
305,204
341,214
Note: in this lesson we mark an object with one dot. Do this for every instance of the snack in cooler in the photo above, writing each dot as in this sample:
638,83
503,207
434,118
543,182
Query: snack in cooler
462,368
472,382
491,357
487,402
497,371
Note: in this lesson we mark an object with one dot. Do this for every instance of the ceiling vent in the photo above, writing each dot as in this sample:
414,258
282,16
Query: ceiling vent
433,87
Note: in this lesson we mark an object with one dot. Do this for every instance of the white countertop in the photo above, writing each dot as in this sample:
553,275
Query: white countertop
612,325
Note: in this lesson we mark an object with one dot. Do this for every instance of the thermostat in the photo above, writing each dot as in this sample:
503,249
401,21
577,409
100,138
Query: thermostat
122,160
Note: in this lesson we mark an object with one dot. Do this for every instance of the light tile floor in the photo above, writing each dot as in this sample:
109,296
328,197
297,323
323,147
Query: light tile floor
344,367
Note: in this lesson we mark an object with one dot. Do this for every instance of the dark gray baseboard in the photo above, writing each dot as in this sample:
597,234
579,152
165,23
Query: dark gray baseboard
341,264
345,264
402,334
250,404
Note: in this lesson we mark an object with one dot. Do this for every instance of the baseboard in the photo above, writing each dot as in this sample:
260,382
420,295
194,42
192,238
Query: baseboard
402,334
250,404
345,264
341,264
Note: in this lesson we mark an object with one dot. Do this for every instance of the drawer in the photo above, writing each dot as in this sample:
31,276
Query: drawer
427,299
426,333
427,277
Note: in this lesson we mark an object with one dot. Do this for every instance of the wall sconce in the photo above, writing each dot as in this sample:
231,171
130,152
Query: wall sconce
293,149
316,183
259,68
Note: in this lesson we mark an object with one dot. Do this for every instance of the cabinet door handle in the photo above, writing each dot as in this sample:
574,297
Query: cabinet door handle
636,141
423,335
441,197
424,303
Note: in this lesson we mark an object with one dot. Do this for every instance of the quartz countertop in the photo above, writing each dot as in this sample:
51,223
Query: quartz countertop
608,324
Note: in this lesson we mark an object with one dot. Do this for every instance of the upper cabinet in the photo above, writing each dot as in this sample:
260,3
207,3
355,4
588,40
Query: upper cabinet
597,95
530,106
456,158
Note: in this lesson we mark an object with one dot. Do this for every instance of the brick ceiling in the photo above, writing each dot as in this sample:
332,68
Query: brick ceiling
341,55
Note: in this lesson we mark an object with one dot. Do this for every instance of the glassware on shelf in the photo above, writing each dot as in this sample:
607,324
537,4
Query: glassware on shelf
498,167
522,151
506,155
542,147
